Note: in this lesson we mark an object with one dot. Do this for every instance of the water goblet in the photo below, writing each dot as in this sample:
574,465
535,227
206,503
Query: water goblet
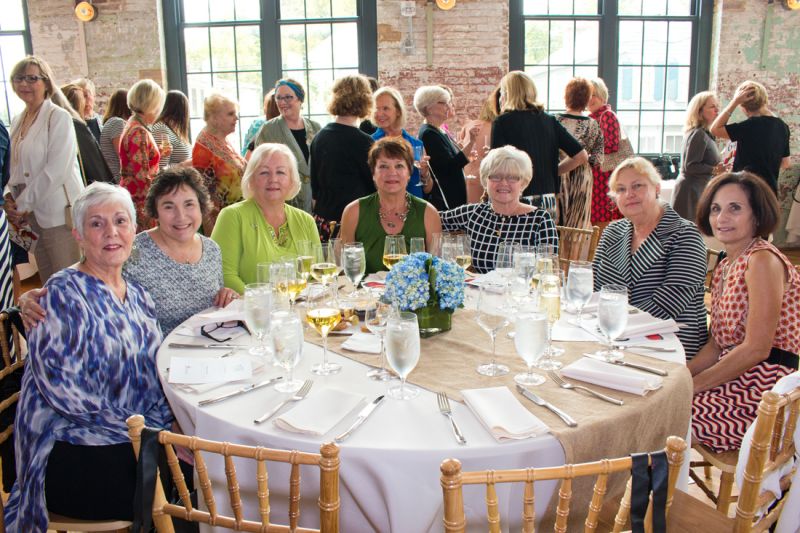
550,304
492,317
394,250
530,341
525,263
580,283
257,308
612,317
375,318
402,351
416,245
354,263
504,260
323,314
286,332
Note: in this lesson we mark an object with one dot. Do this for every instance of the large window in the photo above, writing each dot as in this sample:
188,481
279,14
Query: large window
653,55
240,47
14,45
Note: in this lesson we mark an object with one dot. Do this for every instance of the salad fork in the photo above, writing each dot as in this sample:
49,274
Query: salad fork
297,396
561,382
444,408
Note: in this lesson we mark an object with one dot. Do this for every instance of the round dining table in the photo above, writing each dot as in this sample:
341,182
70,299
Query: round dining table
389,473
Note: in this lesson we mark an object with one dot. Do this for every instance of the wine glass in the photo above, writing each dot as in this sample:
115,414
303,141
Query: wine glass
418,153
546,261
323,314
354,262
550,304
492,317
456,249
612,317
504,260
394,250
305,257
323,266
279,278
295,282
257,307
436,243
580,283
530,340
286,331
525,263
402,351
416,245
375,318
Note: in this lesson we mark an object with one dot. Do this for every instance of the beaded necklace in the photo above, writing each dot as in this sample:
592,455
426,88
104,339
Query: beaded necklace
402,216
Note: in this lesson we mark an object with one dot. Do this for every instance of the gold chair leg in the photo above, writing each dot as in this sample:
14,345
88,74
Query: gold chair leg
707,471
725,488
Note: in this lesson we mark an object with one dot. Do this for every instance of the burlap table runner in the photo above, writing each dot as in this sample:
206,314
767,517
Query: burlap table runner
448,361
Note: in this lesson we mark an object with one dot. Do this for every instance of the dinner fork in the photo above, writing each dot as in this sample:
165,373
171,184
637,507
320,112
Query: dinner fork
567,385
444,408
297,396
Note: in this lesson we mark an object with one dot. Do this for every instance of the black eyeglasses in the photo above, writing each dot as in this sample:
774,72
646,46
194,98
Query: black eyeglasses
29,79
226,327
286,98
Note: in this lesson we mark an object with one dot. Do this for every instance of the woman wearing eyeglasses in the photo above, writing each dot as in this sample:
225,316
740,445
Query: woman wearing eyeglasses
45,176
505,173
293,130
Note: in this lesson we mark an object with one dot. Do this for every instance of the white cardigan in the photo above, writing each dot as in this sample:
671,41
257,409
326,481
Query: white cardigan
47,164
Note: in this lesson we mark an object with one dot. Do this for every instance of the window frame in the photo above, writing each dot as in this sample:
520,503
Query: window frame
26,39
701,16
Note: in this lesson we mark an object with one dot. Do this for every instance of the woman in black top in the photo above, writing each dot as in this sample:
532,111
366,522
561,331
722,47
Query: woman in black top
447,159
524,124
339,170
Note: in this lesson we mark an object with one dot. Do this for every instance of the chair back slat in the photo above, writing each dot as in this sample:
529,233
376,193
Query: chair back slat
596,505
233,487
576,244
493,512
294,495
564,499
262,480
624,511
180,481
528,508
205,483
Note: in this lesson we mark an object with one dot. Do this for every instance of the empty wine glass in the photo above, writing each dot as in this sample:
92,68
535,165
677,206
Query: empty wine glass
504,260
286,332
257,308
394,250
550,304
580,283
375,318
354,262
530,340
612,317
323,314
416,245
402,351
492,317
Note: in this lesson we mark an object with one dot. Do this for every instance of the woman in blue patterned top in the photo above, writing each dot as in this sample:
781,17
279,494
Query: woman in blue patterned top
90,367
505,172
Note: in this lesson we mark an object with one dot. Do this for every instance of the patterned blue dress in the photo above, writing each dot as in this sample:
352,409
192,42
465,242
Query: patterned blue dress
91,366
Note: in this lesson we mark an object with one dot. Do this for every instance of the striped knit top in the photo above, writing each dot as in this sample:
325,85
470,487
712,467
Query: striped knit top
664,277
181,151
112,129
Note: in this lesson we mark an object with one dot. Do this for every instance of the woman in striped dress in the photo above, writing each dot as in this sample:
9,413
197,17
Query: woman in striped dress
755,311
659,256
117,115
171,131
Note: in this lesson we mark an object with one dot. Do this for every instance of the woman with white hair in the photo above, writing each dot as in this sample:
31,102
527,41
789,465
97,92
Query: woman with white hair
138,152
214,157
447,158
91,365
699,155
658,255
263,227
505,172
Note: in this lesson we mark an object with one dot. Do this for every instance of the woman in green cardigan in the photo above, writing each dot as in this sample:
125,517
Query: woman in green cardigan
263,227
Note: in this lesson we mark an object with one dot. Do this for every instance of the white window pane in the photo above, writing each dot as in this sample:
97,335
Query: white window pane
248,48
318,9
629,80
654,7
673,129
586,7
248,10
562,40
221,10
677,8
559,77
293,47
629,122
198,56
560,7
13,16
655,42
319,91
587,40
534,7
292,9
345,45
630,42
653,82
320,47
12,50
587,72
251,97
680,43
225,83
537,36
539,77
322,120
195,126
222,49
199,87
345,8
195,10
630,7
651,132
677,87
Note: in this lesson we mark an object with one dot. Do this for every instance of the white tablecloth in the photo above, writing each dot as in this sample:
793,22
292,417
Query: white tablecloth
389,467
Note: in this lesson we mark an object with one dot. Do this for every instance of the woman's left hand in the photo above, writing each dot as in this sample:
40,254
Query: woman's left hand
225,296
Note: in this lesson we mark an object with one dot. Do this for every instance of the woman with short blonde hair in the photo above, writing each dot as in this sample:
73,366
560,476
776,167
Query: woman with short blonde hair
603,209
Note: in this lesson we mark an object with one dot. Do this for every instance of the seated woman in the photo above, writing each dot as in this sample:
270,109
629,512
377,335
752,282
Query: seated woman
263,227
90,367
505,173
181,269
392,210
755,304
658,255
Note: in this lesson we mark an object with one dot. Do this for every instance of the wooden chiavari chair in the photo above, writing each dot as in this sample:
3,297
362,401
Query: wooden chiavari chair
453,479
576,244
327,461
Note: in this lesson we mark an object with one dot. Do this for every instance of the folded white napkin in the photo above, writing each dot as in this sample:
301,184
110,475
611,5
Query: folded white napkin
363,342
566,330
502,414
216,315
612,376
319,412
639,324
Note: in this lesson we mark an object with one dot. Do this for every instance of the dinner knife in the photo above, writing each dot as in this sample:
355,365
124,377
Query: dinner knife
637,366
243,390
568,420
362,416
210,345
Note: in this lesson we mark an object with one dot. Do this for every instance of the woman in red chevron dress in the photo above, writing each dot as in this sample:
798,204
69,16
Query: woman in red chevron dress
755,311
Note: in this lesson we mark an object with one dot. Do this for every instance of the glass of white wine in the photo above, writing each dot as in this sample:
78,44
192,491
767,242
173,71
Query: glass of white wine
295,282
257,308
550,304
612,317
375,318
286,332
305,257
546,262
492,317
323,314
530,341
394,250
402,351
354,262
323,265
580,284
279,278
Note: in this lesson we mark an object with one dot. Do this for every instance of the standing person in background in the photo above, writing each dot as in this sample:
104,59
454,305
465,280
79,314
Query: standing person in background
6,283
604,210
92,119
339,169
45,177
138,152
762,141
575,200
366,125
295,131
699,155
171,131
270,111
489,112
117,115
90,159
214,157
